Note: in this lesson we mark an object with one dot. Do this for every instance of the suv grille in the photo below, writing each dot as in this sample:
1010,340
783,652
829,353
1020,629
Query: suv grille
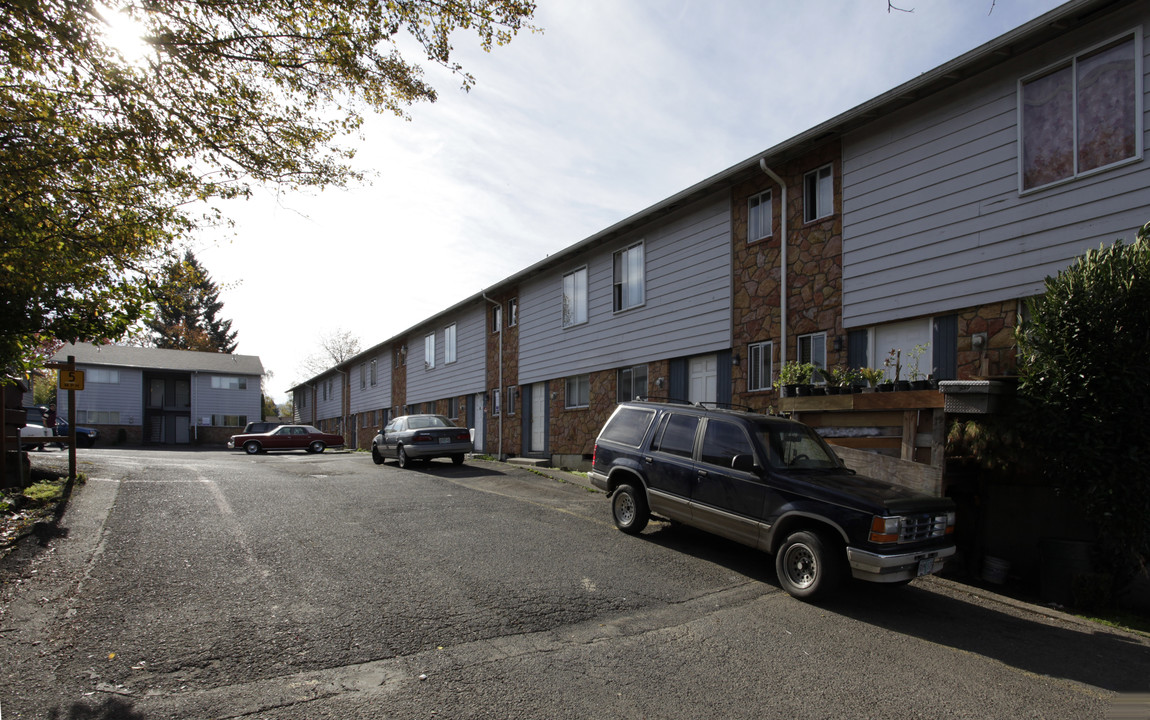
922,527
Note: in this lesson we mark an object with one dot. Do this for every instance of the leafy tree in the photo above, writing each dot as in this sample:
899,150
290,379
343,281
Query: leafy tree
1081,362
186,310
104,163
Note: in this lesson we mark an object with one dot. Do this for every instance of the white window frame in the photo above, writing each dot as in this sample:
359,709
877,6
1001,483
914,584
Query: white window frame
627,376
760,366
496,402
362,375
110,376
512,312
374,377
575,297
628,271
512,399
449,344
1071,63
819,193
760,216
229,382
429,351
581,397
814,353
496,319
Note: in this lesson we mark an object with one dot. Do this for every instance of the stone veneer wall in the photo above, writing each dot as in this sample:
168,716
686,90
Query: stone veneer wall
512,423
999,357
573,430
814,272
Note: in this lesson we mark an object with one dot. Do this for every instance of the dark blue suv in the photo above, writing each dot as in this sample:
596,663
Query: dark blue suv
773,484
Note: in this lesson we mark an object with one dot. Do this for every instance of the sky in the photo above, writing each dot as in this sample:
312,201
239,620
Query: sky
614,106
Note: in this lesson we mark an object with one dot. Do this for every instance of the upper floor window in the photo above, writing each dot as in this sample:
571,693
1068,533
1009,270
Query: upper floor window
1082,115
429,351
374,378
223,382
575,297
449,344
759,366
102,375
628,284
632,383
497,318
512,312
362,375
818,193
813,350
759,216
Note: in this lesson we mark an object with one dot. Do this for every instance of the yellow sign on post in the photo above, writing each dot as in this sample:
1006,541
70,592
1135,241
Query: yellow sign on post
71,380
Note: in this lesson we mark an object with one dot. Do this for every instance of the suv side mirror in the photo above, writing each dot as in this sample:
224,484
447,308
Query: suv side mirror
745,463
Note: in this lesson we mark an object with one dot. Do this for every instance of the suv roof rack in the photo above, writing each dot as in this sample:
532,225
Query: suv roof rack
669,400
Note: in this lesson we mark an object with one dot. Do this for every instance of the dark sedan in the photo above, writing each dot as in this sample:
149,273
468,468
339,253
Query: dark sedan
421,436
286,437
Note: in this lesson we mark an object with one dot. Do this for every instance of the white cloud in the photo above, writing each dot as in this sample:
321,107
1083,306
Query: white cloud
615,106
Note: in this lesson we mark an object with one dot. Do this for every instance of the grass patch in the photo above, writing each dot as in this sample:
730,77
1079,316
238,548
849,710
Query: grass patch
45,492
1120,620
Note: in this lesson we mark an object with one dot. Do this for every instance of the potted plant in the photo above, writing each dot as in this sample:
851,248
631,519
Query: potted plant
794,375
918,379
872,376
894,360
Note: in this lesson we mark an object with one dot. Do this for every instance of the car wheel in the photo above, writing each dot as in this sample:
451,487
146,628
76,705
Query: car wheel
629,508
375,456
810,565
457,459
401,456
251,447
316,447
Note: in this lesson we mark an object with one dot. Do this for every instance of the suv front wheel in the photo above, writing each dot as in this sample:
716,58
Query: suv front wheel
810,565
629,508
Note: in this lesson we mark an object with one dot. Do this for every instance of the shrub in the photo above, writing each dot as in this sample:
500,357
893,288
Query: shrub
1082,357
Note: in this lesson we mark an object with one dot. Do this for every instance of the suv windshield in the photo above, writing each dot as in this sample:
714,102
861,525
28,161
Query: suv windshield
795,446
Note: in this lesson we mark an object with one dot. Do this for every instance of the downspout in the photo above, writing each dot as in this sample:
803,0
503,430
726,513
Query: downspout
782,263
500,389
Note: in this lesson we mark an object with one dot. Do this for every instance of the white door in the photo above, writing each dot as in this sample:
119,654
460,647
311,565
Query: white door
538,417
704,379
904,336
479,413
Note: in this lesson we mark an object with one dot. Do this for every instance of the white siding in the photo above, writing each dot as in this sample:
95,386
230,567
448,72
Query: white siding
687,309
462,377
125,397
372,397
932,217
208,401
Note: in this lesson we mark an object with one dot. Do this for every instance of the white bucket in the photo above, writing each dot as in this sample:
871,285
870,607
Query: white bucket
994,569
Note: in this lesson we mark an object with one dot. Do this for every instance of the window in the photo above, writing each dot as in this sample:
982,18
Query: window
678,435
512,312
101,375
759,216
362,375
497,402
722,441
429,351
373,375
818,194
327,389
760,369
512,399
229,420
449,344
632,383
1082,115
453,408
813,350
628,285
628,426
497,319
221,382
578,391
575,297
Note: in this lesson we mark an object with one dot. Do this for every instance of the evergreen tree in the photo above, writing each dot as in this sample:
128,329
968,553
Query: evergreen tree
187,306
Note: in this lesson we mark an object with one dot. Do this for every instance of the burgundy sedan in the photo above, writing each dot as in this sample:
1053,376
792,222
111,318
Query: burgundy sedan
286,437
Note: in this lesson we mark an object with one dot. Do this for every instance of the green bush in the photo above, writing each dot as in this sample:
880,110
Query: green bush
1082,360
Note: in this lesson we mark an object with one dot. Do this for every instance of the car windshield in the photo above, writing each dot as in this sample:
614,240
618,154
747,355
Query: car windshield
793,446
427,421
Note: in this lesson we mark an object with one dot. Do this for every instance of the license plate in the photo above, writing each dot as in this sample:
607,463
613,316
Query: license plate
925,567
444,440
